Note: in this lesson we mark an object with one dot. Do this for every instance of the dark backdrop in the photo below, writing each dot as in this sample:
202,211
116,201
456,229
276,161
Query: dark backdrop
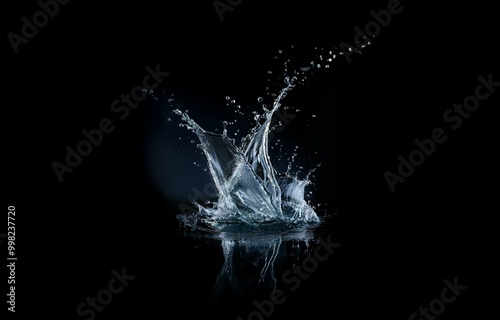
112,211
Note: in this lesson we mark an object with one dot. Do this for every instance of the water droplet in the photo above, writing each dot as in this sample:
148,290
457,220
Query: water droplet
259,99
227,98
233,101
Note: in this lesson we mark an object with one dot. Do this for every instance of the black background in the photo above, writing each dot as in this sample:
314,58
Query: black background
108,214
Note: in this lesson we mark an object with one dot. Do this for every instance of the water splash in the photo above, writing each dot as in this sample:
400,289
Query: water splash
250,191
